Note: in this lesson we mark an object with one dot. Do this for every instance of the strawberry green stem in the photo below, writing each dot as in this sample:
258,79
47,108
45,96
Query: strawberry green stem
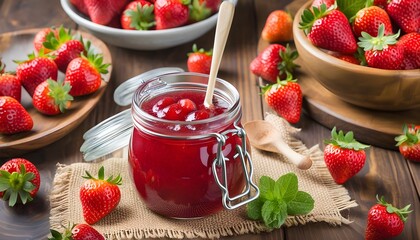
368,42
16,185
101,176
346,141
309,17
402,213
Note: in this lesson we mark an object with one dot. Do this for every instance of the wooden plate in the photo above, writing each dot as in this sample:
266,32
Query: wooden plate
47,129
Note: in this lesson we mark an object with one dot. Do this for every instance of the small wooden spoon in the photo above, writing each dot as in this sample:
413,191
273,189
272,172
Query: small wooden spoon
265,136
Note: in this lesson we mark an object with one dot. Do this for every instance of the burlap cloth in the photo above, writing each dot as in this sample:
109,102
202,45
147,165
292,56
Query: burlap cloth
132,220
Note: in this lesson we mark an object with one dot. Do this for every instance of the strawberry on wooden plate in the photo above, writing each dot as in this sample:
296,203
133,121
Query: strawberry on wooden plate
35,70
84,74
52,97
278,27
10,86
13,116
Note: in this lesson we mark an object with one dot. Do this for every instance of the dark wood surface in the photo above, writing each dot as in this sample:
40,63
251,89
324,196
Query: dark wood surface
385,173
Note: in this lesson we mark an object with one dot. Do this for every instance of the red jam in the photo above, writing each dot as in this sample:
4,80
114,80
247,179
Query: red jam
174,175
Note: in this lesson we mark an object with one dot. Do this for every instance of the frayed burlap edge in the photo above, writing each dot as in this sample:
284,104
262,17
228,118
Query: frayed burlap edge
60,194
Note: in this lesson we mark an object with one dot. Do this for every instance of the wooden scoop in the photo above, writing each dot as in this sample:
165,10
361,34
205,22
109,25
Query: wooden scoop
265,136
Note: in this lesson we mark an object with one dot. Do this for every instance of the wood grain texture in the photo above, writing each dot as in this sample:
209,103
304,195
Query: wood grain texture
47,129
386,172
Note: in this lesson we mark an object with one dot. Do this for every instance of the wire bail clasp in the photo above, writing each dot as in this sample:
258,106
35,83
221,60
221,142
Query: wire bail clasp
232,202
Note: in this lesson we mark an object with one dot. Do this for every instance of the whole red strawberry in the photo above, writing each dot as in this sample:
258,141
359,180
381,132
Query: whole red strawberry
52,97
285,97
385,221
171,13
406,13
273,62
19,181
409,143
81,231
278,27
369,19
99,196
41,37
104,11
199,60
84,74
344,155
64,47
382,51
328,29
35,70
13,116
138,15
10,86
411,44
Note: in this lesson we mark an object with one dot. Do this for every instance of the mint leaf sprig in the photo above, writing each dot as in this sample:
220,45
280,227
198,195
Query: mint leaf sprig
278,199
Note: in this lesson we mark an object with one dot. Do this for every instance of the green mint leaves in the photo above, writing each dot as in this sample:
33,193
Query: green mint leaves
350,7
278,199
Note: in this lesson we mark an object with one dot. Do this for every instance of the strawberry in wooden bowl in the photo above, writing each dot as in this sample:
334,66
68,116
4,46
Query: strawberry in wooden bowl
383,76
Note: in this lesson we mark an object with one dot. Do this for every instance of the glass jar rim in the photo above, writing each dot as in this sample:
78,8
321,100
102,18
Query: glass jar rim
144,91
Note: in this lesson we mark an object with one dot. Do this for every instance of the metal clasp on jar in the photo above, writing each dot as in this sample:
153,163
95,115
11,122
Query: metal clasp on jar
232,202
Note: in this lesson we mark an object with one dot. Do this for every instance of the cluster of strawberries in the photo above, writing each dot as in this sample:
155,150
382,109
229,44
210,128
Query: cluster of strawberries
146,14
56,49
378,34
20,181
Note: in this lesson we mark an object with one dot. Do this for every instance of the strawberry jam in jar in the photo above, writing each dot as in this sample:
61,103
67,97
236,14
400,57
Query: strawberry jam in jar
186,160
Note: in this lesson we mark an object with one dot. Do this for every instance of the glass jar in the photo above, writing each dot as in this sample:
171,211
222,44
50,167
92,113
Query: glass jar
190,169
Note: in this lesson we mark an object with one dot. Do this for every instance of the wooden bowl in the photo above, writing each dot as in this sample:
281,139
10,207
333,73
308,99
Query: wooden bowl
379,89
47,129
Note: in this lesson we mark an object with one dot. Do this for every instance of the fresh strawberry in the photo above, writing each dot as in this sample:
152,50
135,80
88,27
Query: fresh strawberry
19,181
318,3
278,27
84,74
104,11
138,15
285,97
199,60
80,5
385,221
409,143
13,116
369,19
52,97
273,62
81,231
171,13
328,29
64,47
35,70
10,86
344,155
41,37
406,13
382,51
99,196
411,44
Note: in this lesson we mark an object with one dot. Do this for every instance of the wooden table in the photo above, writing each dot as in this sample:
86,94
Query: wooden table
385,173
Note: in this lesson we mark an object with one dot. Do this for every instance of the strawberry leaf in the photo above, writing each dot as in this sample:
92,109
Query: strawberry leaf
350,7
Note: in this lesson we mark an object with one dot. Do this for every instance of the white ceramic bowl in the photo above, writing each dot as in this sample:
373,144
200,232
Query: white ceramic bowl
142,40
